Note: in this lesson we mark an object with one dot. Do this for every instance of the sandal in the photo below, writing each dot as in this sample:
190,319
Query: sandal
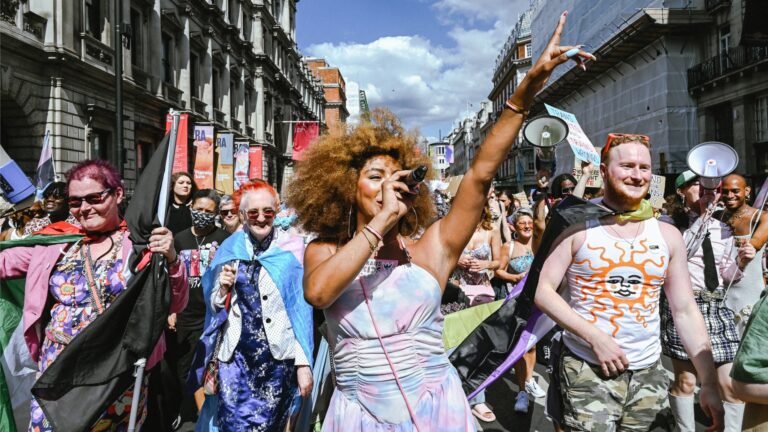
483,413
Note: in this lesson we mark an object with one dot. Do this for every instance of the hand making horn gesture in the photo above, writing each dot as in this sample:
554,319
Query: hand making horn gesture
553,55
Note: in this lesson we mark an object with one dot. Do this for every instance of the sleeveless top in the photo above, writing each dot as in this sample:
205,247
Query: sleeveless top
742,295
519,264
616,287
405,300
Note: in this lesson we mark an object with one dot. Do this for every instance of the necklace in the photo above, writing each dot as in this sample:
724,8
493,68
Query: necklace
199,243
737,216
630,243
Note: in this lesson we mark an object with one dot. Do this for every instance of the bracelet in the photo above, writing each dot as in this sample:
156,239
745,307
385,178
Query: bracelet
374,247
516,109
374,232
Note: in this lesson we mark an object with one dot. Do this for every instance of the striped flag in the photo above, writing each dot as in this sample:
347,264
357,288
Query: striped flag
19,371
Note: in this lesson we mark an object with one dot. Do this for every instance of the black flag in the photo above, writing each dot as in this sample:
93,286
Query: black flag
488,346
96,367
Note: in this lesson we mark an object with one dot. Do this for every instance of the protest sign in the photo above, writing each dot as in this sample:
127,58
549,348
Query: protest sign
595,179
522,198
580,144
657,191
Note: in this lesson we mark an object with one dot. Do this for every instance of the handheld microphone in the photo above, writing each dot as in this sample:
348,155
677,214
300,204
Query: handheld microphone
416,176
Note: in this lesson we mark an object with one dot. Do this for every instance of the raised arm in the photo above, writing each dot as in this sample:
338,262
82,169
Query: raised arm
581,185
450,234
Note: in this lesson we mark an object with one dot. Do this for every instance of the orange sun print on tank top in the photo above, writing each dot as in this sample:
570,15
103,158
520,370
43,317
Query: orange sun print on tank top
622,285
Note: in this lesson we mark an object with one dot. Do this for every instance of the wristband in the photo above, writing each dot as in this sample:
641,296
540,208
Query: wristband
516,109
371,244
374,232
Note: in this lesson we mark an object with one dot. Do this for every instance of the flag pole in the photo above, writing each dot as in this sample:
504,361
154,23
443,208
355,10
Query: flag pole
161,215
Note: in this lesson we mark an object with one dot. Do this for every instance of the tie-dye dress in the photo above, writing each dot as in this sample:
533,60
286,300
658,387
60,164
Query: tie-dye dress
405,301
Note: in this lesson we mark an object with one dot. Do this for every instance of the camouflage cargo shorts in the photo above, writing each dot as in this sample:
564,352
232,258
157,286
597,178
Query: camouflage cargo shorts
629,402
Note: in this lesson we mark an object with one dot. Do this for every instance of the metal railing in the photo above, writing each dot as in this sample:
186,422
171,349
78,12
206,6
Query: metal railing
722,64
714,4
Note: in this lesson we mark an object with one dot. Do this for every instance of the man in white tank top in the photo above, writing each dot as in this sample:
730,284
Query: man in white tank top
610,370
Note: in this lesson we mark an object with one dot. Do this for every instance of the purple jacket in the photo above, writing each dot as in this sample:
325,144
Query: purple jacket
37,263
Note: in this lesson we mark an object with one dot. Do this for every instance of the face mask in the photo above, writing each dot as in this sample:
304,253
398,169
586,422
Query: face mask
202,220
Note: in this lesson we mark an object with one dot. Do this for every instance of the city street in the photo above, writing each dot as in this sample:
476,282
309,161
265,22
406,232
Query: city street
500,396
188,186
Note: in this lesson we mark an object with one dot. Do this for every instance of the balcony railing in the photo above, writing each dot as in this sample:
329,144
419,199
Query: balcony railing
720,65
713,5
171,93
199,107
219,116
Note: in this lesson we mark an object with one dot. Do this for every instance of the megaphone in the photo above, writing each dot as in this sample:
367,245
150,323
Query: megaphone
14,185
711,161
545,133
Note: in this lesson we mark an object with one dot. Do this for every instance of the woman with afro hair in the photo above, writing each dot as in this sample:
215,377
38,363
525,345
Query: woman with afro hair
379,287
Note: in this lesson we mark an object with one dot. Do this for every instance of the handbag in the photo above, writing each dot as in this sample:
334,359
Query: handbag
211,372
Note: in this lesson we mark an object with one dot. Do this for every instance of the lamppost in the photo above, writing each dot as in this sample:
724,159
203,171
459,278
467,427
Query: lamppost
119,84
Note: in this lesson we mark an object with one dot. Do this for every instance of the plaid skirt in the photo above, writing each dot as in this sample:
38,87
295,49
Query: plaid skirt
720,326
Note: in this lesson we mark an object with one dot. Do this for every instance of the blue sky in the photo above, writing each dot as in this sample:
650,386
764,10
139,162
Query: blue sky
423,59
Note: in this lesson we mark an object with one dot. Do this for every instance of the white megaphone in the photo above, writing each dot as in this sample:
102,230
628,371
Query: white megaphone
711,161
545,133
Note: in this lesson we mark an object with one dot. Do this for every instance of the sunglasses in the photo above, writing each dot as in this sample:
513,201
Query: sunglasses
566,191
225,213
254,213
92,198
55,196
619,138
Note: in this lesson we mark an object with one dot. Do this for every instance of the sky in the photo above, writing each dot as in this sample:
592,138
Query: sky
429,61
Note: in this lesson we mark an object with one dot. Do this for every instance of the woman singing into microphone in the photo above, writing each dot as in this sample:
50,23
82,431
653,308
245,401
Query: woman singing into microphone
379,287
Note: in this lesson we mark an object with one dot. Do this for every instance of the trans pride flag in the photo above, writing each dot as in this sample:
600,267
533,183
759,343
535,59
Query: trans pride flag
284,261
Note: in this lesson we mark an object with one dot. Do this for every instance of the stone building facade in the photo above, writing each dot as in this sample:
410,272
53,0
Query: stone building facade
730,85
670,69
231,63
334,89
513,62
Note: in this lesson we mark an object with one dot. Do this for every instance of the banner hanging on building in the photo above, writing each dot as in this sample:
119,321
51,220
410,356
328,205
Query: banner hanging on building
449,154
255,162
180,156
304,133
241,163
225,168
203,157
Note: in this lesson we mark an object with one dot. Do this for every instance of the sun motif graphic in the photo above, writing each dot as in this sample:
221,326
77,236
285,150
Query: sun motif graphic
624,286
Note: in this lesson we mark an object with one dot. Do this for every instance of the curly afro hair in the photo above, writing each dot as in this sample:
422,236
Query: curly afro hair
324,185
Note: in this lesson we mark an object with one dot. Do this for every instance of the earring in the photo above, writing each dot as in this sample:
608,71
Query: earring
416,225
349,223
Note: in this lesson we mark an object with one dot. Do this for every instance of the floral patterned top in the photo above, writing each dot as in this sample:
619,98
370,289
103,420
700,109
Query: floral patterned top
73,302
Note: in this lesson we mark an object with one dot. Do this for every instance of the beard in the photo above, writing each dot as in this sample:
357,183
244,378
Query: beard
616,192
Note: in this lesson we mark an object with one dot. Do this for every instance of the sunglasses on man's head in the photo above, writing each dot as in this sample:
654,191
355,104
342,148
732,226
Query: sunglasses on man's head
619,138
254,213
91,198
225,213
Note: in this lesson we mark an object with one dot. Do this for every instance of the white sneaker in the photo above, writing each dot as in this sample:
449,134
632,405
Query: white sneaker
521,402
533,389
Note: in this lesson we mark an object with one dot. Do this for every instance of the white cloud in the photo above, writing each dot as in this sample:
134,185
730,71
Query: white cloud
493,10
427,85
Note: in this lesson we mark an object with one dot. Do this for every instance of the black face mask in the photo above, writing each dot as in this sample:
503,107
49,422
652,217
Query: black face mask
202,220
